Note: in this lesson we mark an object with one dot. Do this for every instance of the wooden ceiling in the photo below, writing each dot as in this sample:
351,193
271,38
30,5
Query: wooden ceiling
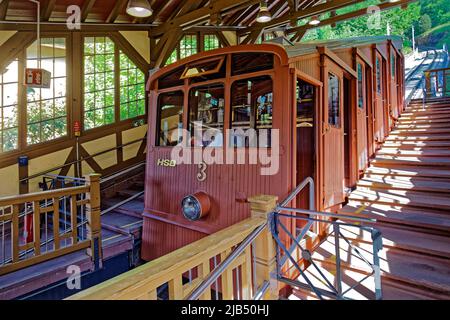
239,15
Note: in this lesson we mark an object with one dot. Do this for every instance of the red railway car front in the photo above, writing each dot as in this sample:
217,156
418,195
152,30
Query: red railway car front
219,133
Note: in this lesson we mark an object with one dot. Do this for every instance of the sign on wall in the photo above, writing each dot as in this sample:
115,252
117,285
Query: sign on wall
37,78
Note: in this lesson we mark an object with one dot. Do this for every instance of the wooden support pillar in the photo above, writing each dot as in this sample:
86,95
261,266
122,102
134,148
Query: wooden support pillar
265,249
93,218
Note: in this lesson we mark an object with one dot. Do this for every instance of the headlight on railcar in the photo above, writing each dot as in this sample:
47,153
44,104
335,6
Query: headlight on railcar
195,206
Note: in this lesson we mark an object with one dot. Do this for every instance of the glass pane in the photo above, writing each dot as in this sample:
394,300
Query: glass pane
170,118
251,108
360,87
89,45
60,67
251,62
10,117
12,73
206,113
333,101
305,104
10,139
60,47
60,87
34,112
10,94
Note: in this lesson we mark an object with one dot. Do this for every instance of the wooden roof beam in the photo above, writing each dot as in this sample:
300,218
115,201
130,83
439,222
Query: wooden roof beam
156,11
300,31
87,7
117,9
201,14
318,9
3,9
47,9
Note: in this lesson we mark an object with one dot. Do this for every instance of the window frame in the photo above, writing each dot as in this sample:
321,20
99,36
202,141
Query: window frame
360,85
339,124
117,48
243,77
74,94
219,65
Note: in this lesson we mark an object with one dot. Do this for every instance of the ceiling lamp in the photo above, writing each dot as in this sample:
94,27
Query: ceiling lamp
314,21
264,13
139,8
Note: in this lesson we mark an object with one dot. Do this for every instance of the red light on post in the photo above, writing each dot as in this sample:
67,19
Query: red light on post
77,128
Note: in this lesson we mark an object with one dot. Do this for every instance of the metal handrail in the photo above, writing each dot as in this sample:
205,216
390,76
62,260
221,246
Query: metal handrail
80,160
217,272
102,180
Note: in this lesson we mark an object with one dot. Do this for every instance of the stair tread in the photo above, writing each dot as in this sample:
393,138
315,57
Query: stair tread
401,217
413,184
425,138
402,197
384,160
409,171
404,240
417,153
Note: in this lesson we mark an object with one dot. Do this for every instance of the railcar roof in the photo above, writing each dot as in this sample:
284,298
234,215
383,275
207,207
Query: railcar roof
309,47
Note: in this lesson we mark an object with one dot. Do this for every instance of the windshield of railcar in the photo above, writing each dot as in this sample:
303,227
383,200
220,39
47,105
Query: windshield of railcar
210,95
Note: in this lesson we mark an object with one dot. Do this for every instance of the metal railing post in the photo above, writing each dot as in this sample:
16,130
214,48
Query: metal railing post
338,260
93,219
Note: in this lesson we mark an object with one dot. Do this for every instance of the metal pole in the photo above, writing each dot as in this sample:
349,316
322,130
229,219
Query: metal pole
338,260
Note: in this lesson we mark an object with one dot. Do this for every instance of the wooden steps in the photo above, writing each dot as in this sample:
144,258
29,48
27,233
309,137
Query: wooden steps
413,132
401,197
417,184
421,138
414,153
400,216
407,190
420,145
395,161
404,171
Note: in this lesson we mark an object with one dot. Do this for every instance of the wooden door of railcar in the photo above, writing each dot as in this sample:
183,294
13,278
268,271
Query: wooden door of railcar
306,96
333,138
379,98
362,117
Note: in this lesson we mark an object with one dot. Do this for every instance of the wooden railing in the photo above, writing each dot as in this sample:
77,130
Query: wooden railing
437,82
176,275
40,226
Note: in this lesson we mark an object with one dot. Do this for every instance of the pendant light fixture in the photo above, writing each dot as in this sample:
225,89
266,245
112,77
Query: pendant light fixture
139,8
314,21
264,13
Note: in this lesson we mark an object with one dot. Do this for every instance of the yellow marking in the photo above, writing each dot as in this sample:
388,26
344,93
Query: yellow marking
113,237
361,209
131,224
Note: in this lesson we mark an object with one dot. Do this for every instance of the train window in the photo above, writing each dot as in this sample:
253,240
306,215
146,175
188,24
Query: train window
251,62
333,101
393,66
170,118
205,68
206,113
378,71
251,108
305,104
360,87
172,79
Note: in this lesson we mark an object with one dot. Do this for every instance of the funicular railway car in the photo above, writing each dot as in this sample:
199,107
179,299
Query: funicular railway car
307,93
